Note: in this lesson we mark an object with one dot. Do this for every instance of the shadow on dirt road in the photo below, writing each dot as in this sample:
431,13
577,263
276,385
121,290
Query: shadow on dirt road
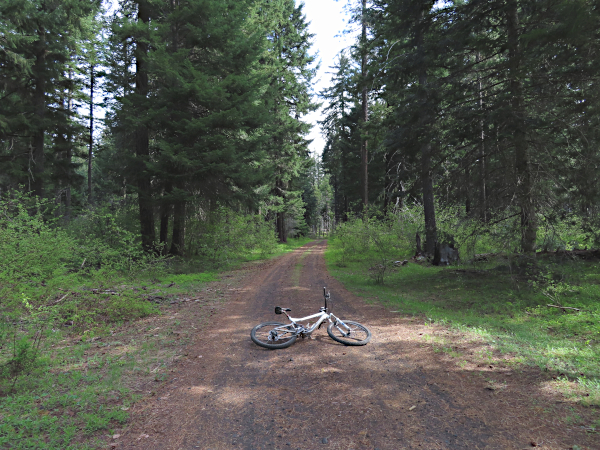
394,393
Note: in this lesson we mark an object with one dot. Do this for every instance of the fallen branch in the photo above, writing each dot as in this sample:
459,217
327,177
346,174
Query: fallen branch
60,299
563,307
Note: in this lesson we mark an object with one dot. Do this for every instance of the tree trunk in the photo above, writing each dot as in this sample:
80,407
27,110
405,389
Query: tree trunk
482,156
39,100
424,124
60,151
387,183
280,217
428,199
164,224
178,242
335,200
365,109
142,138
91,143
165,212
346,218
524,182
281,227
69,147
178,234
467,186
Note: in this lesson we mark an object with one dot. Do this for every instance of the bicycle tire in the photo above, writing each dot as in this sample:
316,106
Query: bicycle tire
359,334
260,335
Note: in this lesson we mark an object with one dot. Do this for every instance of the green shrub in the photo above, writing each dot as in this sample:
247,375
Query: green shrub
23,336
50,265
566,233
393,236
223,236
106,243
32,250
378,242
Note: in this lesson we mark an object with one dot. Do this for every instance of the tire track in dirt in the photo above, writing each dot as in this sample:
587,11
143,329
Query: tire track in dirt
394,393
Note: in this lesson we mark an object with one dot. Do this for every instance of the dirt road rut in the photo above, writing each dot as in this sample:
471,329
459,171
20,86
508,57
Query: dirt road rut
394,393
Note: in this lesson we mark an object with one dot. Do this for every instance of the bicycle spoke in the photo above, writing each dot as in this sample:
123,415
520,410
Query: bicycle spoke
349,332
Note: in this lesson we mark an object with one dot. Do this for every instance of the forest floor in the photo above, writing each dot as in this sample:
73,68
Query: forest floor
397,392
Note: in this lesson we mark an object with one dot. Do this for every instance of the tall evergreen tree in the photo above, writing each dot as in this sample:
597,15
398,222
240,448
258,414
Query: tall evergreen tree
481,95
41,36
288,66
195,107
340,127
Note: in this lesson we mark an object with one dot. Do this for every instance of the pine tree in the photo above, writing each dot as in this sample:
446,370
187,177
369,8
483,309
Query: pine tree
40,40
288,67
487,91
206,106
197,119
340,127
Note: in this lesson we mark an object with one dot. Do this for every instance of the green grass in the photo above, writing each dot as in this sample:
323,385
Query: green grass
507,310
187,279
76,393
298,269
282,248
48,407
65,289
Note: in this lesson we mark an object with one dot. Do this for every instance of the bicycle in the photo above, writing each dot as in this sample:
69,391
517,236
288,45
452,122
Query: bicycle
274,335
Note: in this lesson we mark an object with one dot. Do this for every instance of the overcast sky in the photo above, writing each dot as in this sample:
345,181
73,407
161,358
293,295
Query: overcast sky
327,21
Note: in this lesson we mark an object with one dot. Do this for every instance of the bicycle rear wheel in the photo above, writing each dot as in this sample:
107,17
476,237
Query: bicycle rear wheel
357,335
273,335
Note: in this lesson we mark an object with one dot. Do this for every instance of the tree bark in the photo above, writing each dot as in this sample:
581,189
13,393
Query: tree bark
335,200
482,156
60,151
524,181
91,142
424,123
280,216
39,100
387,182
165,213
178,241
428,199
142,137
346,217
281,227
69,147
365,109
164,224
467,186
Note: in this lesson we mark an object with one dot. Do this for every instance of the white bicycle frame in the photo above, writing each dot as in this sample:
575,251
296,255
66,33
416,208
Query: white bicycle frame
301,330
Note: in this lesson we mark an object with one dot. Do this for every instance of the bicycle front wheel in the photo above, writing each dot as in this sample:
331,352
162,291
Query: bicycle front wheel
357,335
273,335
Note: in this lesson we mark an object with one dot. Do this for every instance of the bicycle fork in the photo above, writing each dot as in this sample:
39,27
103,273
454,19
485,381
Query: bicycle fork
341,322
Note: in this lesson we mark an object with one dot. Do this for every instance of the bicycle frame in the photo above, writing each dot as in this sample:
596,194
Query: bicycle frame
301,330
275,335
322,316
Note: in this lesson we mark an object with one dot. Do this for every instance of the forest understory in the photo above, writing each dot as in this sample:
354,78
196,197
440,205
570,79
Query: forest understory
155,161
478,321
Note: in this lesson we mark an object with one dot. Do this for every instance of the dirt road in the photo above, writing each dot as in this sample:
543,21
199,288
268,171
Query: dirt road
394,393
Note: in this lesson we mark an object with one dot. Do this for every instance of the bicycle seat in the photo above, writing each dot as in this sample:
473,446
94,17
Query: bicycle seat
279,309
